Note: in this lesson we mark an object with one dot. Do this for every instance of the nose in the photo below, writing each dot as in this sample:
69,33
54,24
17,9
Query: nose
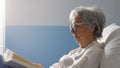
72,31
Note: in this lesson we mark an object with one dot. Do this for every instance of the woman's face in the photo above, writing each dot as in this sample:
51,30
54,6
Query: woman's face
79,30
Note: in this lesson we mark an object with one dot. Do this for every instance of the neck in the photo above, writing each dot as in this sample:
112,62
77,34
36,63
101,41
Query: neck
86,42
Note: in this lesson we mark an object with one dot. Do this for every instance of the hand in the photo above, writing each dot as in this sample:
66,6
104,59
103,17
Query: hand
38,65
56,65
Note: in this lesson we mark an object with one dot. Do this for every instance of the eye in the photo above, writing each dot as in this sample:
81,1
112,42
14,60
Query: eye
76,26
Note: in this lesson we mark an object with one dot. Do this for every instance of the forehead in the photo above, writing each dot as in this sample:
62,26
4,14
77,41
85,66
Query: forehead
76,19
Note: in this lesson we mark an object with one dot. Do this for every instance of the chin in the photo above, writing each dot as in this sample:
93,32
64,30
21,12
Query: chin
77,40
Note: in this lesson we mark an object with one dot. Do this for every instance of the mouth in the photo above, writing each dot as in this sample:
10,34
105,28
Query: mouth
76,38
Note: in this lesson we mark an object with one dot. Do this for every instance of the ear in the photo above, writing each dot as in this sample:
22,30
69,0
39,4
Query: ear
93,27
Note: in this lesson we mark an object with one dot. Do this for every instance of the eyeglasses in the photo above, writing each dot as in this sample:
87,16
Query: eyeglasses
75,26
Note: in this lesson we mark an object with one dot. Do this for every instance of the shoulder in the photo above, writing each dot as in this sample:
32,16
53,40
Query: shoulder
95,48
74,51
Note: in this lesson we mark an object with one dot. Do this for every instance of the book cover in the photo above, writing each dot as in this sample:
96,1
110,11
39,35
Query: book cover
13,60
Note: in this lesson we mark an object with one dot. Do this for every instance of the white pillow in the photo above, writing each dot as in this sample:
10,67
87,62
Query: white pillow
111,54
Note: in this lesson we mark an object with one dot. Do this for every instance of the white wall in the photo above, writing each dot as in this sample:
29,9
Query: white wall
2,26
54,12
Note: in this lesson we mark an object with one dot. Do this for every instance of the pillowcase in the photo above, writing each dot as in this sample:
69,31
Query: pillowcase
111,54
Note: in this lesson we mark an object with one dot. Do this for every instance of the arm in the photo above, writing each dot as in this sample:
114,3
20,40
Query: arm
94,57
64,62
90,59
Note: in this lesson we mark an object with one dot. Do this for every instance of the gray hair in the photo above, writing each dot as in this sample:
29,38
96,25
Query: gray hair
90,15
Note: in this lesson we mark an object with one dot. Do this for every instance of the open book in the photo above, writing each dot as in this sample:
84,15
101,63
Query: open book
13,60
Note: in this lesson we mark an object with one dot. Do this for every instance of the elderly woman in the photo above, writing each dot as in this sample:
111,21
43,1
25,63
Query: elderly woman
86,26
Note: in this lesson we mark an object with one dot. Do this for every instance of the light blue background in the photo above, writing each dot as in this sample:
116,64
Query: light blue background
40,44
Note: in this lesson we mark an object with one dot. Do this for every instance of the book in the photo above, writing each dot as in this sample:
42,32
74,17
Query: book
13,60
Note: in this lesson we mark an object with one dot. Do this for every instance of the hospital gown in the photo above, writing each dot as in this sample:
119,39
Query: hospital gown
88,57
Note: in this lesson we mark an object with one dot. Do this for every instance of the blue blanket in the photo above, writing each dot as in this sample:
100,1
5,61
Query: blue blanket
1,63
